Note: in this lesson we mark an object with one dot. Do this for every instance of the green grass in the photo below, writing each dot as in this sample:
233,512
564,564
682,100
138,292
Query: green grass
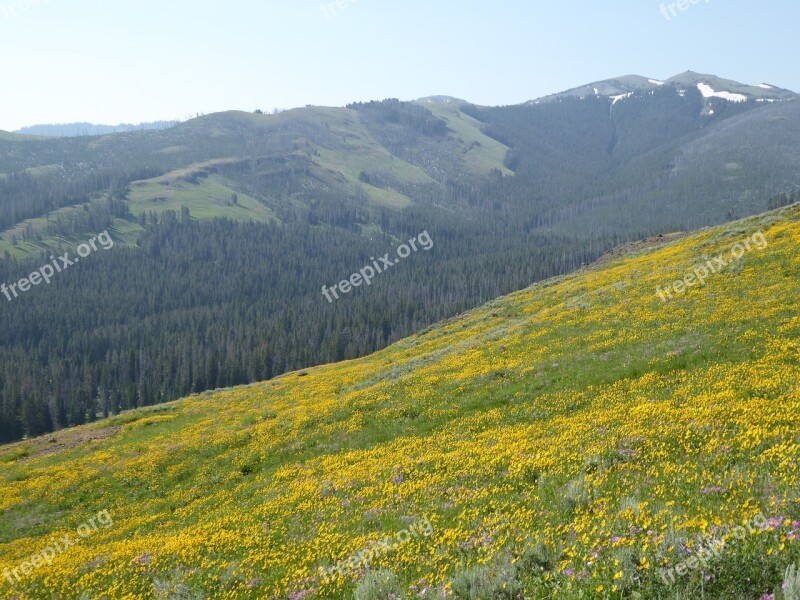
356,151
124,232
480,152
209,198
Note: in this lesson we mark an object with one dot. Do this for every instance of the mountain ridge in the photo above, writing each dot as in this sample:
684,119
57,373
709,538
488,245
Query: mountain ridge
81,129
618,87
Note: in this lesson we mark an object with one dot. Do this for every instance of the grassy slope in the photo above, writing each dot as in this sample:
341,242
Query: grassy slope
353,150
480,152
125,232
582,419
349,150
356,150
207,198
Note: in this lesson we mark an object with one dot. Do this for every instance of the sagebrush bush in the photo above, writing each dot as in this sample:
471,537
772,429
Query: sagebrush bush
575,495
379,585
499,582
791,583
173,587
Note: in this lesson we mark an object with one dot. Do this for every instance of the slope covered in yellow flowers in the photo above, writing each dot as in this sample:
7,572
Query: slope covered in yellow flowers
566,441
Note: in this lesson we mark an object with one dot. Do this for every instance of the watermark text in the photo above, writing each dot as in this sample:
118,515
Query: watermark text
58,546
48,271
702,272
669,10
368,273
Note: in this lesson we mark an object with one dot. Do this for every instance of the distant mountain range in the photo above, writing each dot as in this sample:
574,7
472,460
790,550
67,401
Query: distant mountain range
86,129
616,89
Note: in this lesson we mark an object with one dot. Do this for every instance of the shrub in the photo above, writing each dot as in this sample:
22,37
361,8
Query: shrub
488,583
378,585
539,557
791,583
174,588
575,495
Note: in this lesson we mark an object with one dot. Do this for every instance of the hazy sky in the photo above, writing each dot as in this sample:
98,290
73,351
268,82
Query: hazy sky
112,61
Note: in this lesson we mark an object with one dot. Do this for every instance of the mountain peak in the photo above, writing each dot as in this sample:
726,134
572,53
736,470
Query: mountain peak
711,86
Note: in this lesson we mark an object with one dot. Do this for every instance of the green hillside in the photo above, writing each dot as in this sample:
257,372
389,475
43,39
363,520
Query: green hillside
480,152
272,163
582,438
196,188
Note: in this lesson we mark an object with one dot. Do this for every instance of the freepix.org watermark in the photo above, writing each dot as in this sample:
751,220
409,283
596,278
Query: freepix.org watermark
59,546
329,8
9,11
368,273
669,10
362,559
709,547
702,272
48,271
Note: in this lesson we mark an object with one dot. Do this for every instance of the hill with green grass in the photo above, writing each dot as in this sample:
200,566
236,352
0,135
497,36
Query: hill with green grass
625,431
270,164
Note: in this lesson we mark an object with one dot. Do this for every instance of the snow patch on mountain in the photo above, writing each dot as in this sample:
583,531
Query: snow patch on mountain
621,97
656,82
708,92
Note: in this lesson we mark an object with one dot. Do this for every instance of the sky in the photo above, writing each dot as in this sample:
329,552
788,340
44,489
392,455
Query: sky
126,61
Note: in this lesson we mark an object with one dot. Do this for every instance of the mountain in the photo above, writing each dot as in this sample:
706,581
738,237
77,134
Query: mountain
229,228
653,157
574,439
761,91
89,129
622,87
607,88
